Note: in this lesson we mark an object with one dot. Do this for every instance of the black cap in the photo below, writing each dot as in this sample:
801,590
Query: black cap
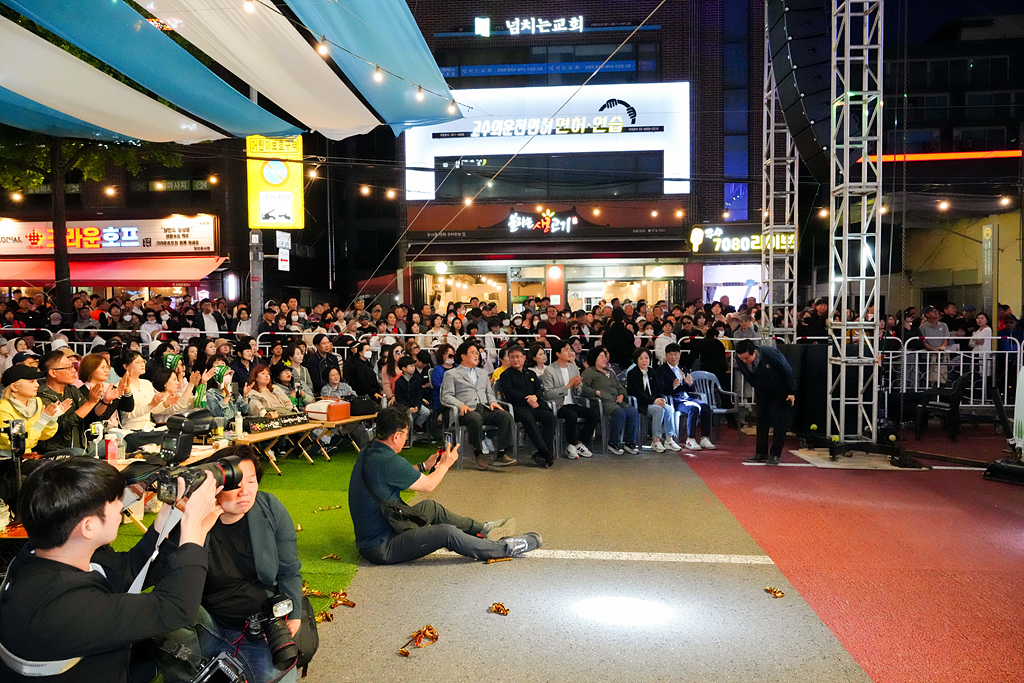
16,372
20,356
929,309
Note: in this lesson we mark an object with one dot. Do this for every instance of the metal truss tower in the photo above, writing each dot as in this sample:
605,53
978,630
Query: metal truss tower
779,183
854,218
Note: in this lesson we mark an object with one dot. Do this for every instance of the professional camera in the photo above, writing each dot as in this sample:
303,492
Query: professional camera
221,669
271,622
181,432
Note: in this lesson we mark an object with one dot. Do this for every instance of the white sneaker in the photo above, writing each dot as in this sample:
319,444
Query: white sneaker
657,446
671,444
583,451
692,445
706,444
615,450
631,449
570,452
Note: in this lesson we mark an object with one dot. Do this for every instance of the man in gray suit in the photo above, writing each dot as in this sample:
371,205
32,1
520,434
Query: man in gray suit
561,382
467,389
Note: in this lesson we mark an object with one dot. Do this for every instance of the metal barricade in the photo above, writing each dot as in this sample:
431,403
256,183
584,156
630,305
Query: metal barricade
992,367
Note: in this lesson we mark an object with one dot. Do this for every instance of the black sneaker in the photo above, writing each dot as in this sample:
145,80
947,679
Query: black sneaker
550,458
773,460
631,448
515,546
757,458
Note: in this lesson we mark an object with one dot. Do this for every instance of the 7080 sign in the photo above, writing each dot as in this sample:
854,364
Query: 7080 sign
722,243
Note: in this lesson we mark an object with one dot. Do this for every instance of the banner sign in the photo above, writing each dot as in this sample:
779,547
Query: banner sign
625,117
733,239
274,169
172,235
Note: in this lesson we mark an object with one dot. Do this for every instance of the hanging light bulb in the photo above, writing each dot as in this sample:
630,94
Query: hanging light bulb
250,6
110,191
365,190
451,107
377,75
390,194
312,173
322,47
419,93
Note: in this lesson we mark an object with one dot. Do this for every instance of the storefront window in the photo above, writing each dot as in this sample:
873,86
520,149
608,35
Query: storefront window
453,288
586,295
521,290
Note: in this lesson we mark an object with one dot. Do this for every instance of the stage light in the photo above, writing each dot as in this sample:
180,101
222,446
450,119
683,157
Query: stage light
312,173
623,611
441,267
490,184
725,214
884,210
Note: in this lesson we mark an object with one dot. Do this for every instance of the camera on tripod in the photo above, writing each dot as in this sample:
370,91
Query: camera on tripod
272,623
163,475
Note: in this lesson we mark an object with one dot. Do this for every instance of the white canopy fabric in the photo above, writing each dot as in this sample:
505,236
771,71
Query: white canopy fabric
44,73
265,50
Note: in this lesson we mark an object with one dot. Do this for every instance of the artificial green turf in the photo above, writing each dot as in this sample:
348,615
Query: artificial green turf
303,488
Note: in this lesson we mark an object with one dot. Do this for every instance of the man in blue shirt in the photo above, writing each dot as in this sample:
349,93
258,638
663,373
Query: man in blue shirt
387,474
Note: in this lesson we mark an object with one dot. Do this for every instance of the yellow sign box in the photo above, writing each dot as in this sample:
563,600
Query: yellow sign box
274,169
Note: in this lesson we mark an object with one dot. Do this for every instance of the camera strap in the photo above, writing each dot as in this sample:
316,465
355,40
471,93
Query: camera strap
27,667
169,524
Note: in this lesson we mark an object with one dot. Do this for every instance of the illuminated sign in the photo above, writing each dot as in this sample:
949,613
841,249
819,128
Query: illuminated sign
176,234
274,170
736,238
547,222
534,25
628,117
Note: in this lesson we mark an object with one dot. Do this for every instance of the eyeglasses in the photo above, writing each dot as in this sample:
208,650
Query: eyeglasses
66,367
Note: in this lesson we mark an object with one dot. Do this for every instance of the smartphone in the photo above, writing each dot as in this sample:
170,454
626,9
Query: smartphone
449,440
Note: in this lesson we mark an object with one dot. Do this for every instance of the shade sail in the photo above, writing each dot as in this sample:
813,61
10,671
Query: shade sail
117,35
46,74
22,112
140,272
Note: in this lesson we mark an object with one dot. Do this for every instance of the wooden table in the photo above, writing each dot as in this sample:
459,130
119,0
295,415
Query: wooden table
273,436
338,423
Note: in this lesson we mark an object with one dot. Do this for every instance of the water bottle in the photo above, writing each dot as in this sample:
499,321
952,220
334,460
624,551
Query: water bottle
238,424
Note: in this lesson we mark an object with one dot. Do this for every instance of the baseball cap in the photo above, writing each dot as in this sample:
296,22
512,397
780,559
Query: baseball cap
929,309
20,357
16,372
969,307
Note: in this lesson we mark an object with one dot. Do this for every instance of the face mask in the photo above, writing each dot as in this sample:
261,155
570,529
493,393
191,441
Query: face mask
505,323
367,354
543,316
302,315
449,361
127,316
451,318
165,316
295,318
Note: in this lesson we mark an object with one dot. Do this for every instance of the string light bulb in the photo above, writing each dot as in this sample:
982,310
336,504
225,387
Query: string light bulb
322,47
884,210
943,205
364,190
823,213
468,201
654,214
312,173
451,107
1005,201
390,194
679,213
213,180
16,196
250,6
597,212
159,186
110,191
419,93
377,75
725,214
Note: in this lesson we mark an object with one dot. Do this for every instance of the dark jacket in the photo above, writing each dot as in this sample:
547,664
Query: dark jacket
666,378
276,548
70,427
239,373
772,374
360,376
409,391
515,385
635,387
319,366
621,346
53,611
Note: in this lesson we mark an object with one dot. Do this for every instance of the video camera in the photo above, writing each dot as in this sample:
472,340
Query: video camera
176,448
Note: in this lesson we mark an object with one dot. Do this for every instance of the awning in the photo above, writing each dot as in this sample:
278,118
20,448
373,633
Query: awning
138,272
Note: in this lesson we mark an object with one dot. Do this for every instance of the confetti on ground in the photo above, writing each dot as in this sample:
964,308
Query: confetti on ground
306,590
298,527
324,616
329,507
425,636
498,559
341,598
499,608
774,592
332,556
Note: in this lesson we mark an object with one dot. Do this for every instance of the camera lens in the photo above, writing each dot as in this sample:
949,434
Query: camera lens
283,649
225,471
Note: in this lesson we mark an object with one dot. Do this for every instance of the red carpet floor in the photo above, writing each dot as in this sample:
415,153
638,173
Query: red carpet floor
920,574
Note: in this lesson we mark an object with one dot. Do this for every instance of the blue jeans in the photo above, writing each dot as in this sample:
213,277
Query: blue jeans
254,655
663,420
626,416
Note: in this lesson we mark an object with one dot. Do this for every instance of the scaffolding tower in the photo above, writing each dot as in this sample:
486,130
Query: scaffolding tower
779,183
854,218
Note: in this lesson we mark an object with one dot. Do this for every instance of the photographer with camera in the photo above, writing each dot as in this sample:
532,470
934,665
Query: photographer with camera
389,532
252,599
65,610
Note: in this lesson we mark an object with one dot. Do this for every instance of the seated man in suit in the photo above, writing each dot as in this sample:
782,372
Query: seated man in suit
677,384
562,384
522,388
466,389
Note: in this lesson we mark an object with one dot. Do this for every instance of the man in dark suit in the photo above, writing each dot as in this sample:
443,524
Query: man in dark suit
522,388
768,371
676,383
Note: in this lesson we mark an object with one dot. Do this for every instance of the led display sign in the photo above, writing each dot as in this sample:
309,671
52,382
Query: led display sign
625,117
547,221
175,234
733,239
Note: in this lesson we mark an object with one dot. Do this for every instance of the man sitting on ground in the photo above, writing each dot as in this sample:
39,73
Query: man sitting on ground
388,474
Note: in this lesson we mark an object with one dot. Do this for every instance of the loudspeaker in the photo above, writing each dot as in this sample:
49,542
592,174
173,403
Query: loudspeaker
801,57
